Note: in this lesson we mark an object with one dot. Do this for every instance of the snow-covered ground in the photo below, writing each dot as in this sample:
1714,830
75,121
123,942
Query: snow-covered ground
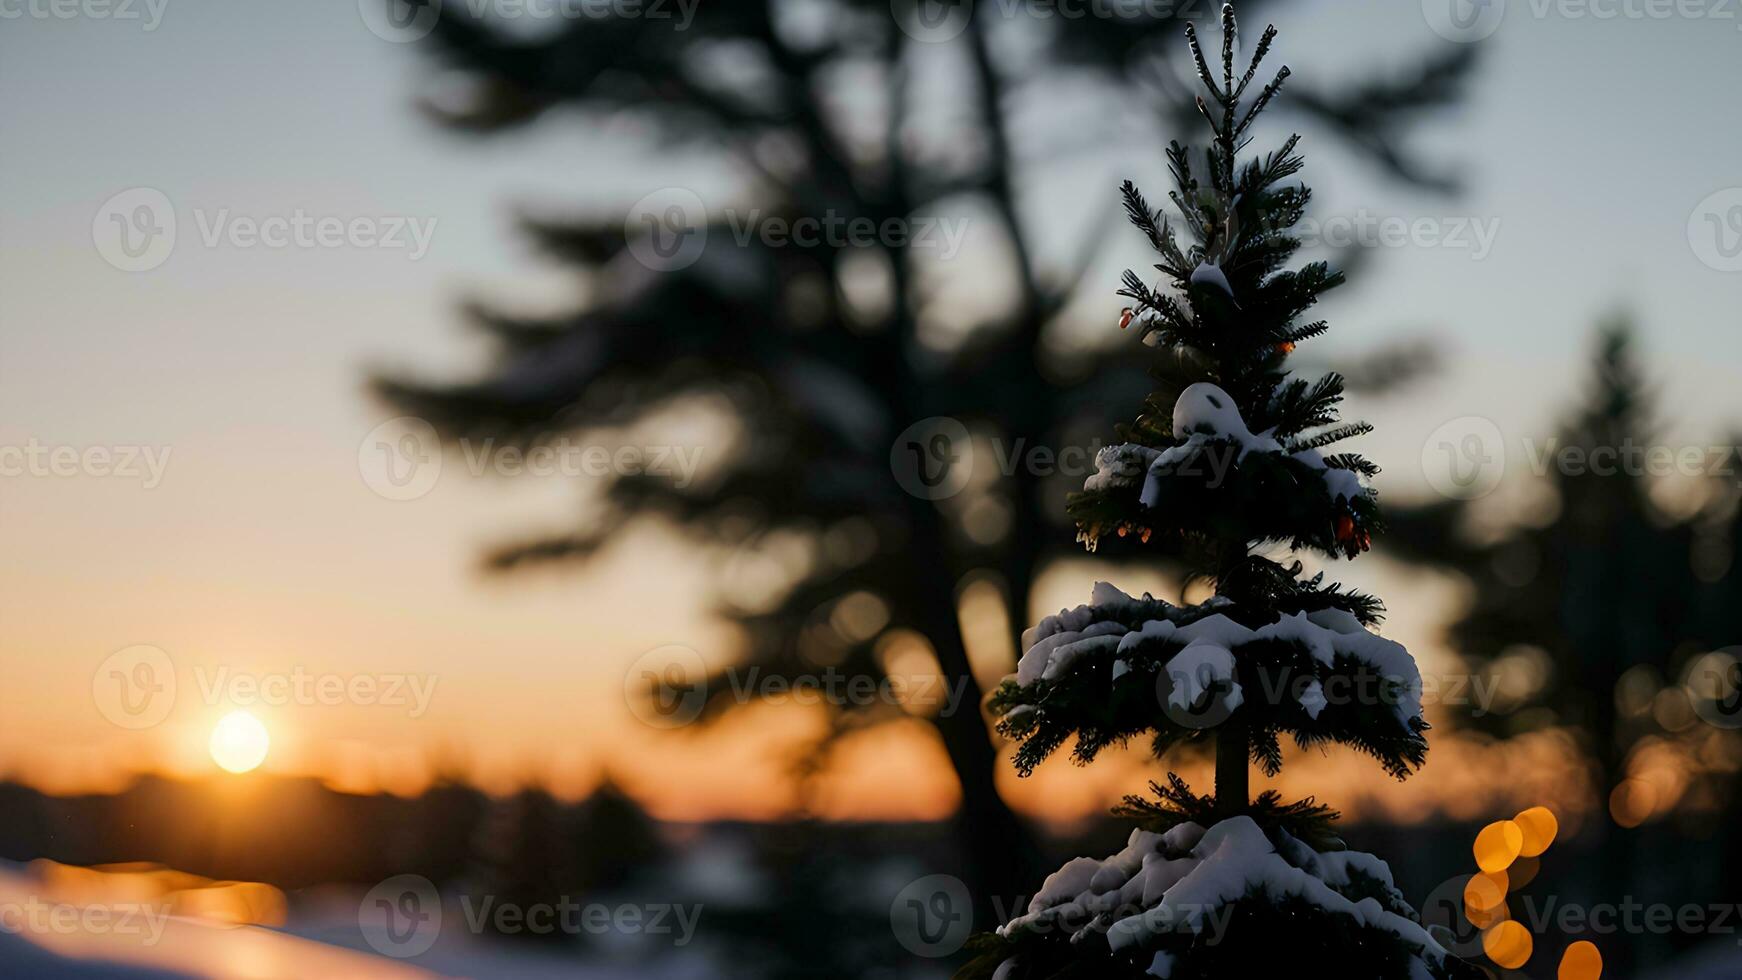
40,938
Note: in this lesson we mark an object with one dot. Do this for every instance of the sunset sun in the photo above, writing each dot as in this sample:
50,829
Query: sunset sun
239,742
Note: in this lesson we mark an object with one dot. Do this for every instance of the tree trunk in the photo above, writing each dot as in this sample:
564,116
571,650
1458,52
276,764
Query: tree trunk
1233,741
999,853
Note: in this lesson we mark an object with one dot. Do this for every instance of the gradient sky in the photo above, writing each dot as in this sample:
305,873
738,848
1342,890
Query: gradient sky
1589,140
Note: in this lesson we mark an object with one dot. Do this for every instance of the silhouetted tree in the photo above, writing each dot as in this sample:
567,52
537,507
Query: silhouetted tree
524,863
444,825
1608,585
614,841
820,354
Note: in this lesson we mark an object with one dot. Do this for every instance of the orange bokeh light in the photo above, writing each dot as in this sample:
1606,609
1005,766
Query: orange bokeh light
1498,845
1508,944
1485,892
1632,802
1581,961
1539,827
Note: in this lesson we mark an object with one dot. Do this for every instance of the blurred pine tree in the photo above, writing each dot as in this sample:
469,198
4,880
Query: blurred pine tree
823,114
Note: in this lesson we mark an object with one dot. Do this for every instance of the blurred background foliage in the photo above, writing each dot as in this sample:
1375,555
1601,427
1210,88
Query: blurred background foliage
811,361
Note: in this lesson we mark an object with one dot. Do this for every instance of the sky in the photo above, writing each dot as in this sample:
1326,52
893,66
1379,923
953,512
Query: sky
264,546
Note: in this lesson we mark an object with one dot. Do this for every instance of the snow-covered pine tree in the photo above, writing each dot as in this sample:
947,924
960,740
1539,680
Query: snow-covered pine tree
1225,458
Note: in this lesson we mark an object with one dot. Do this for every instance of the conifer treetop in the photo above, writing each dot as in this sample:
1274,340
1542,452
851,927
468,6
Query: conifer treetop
1229,455
1225,457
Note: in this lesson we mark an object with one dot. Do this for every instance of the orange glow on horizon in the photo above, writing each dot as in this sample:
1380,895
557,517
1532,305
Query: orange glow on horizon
741,768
